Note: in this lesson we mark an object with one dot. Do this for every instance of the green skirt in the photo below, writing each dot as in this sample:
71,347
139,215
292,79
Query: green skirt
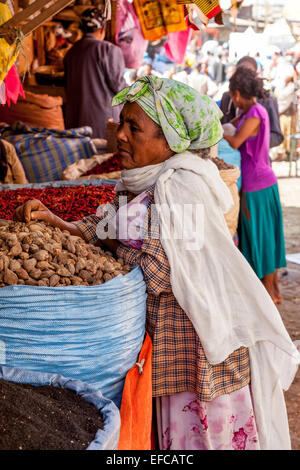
261,231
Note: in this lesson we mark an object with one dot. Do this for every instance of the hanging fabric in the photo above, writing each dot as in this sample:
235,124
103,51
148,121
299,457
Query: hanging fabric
159,17
129,36
176,45
13,86
8,53
209,8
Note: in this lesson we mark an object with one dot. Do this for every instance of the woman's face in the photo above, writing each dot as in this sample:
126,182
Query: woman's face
139,140
236,98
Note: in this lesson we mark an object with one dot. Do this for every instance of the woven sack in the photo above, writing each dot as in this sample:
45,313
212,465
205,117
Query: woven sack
230,177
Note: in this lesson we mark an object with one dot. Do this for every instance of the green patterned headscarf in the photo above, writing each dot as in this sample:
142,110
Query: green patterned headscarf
189,120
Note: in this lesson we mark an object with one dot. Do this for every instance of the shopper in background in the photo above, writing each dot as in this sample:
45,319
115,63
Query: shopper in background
94,71
182,75
287,104
219,70
262,238
269,101
201,82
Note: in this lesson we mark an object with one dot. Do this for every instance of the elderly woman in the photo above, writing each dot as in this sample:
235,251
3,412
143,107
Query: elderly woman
221,354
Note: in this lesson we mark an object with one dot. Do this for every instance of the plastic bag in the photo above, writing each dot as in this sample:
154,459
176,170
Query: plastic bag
90,333
106,439
129,36
136,406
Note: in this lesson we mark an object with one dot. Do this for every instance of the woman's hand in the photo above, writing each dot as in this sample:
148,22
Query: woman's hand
249,128
34,210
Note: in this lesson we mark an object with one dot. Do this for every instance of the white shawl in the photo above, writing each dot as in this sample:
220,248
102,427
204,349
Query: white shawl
216,287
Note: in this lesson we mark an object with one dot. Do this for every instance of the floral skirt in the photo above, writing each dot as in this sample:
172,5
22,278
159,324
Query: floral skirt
225,423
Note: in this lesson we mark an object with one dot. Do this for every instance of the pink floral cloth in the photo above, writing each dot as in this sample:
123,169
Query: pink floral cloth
226,423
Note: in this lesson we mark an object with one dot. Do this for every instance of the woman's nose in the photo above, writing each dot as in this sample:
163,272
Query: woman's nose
121,135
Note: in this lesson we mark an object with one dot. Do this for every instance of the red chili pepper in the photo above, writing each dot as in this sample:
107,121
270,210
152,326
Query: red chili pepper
68,202
112,164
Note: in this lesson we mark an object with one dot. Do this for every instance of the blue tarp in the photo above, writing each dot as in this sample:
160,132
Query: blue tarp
90,333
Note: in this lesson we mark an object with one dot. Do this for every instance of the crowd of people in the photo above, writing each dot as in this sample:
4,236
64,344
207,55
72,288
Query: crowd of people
210,74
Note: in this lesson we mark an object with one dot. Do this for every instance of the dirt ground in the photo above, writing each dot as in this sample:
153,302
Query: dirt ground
289,308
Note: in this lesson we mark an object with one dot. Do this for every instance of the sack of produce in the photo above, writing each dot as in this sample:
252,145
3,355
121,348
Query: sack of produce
107,169
83,166
68,307
230,156
230,175
35,110
45,153
72,200
42,411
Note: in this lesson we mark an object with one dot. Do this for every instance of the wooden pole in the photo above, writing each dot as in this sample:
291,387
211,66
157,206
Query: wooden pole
8,29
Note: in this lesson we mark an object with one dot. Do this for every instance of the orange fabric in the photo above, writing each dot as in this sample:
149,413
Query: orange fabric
158,18
136,406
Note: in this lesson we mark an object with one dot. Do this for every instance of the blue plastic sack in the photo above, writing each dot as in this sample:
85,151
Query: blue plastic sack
230,156
106,439
90,333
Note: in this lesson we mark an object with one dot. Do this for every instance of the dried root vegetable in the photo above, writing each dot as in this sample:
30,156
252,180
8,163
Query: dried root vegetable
221,164
38,254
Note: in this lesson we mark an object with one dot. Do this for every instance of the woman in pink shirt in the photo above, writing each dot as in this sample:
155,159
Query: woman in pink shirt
262,239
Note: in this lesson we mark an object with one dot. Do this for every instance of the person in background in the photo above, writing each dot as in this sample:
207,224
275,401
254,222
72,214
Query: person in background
94,73
269,101
287,105
258,63
210,61
224,87
219,70
11,169
130,76
182,75
262,238
200,81
145,69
